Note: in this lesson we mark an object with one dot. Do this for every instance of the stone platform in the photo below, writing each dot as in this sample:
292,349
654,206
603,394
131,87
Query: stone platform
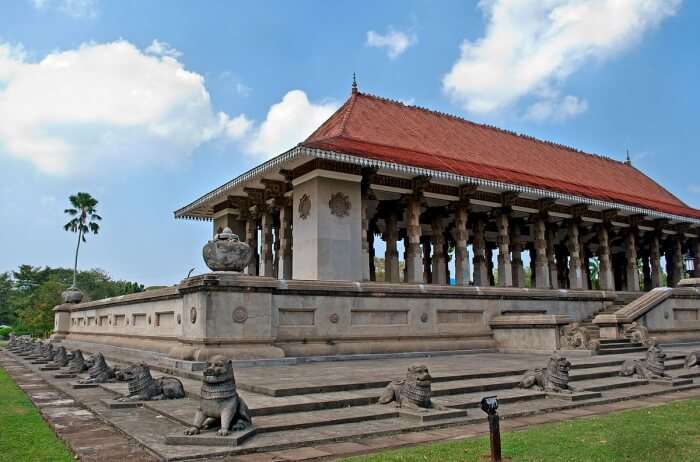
312,405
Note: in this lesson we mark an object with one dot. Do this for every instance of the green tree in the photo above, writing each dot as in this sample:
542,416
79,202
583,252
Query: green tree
7,315
84,221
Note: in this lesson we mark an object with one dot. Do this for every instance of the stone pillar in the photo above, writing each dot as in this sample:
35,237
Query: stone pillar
461,251
505,272
364,231
251,237
646,272
677,262
696,255
286,242
655,261
276,262
574,246
481,276
632,272
489,264
516,248
391,256
427,271
562,266
438,261
552,258
541,263
605,274
267,243
371,255
414,270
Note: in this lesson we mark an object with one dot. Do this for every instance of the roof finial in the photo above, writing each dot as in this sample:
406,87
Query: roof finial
628,161
354,84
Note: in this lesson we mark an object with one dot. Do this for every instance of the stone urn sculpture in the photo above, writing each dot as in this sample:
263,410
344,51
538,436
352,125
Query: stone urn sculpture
72,295
226,252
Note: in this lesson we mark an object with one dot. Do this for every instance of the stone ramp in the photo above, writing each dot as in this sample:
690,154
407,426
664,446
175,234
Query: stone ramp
329,411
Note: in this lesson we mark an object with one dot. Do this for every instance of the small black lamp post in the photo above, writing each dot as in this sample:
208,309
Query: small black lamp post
489,405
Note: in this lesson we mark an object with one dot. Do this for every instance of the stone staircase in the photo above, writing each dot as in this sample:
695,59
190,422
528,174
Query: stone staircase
614,346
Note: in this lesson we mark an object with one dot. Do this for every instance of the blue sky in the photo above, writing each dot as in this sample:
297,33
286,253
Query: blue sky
148,105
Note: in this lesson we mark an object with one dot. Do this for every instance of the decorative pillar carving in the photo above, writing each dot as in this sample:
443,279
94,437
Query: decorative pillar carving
481,276
552,257
438,238
632,272
427,271
505,272
461,251
251,232
541,273
285,235
414,270
574,246
655,261
391,257
516,248
605,273
267,242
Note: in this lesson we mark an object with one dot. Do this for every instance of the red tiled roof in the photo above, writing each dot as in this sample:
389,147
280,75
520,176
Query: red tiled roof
376,128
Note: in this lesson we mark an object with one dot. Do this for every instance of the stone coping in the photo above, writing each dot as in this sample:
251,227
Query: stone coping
529,320
230,281
690,282
646,303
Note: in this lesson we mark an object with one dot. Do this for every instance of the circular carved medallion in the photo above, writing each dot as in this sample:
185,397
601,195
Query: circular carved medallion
339,205
240,315
334,318
193,314
424,317
304,206
179,318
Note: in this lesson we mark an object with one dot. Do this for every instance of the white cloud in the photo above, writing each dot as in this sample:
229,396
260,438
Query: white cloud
395,42
532,46
159,48
243,90
104,105
694,188
288,123
78,9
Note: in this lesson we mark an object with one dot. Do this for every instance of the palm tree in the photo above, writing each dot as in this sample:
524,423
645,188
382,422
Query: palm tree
84,221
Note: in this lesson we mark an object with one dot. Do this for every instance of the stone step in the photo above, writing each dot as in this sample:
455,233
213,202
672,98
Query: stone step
621,350
611,383
473,400
613,340
612,345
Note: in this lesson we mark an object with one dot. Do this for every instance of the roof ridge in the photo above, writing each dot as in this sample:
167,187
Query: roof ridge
348,111
494,128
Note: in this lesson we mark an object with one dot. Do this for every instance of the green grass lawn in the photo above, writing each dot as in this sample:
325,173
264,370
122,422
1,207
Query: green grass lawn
24,436
669,433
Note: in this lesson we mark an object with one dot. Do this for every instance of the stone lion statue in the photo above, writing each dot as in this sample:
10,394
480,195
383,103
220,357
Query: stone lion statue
49,351
692,359
77,363
554,378
143,387
60,357
220,401
100,372
651,367
575,336
638,334
413,392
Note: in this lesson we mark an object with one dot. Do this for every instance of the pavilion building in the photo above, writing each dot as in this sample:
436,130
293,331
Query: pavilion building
442,184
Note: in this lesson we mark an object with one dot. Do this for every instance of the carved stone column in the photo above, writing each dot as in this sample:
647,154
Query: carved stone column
461,251
286,215
516,248
655,261
267,242
552,257
605,273
364,223
251,232
574,246
414,270
391,257
676,272
427,270
438,261
481,277
632,272
505,272
541,273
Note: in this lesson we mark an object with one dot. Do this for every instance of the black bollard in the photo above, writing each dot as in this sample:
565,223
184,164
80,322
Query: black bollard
490,406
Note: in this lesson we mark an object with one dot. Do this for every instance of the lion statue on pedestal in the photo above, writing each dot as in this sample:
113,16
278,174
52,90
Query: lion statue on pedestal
653,366
414,391
554,378
220,401
143,387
